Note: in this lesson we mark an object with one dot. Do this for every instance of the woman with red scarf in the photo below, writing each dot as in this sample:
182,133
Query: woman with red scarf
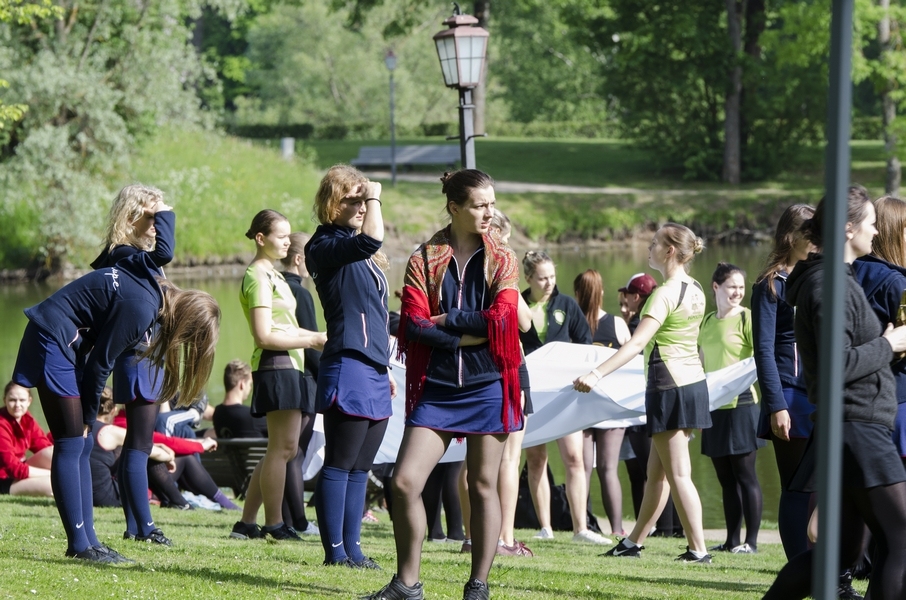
459,335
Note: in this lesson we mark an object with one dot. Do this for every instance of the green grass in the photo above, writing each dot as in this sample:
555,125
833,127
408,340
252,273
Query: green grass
205,563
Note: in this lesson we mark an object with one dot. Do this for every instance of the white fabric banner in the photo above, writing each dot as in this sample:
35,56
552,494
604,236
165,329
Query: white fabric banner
617,401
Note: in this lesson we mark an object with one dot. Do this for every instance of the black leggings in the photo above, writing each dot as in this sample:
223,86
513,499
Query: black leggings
442,487
64,415
793,512
140,418
163,485
668,523
351,442
883,509
741,496
294,489
191,475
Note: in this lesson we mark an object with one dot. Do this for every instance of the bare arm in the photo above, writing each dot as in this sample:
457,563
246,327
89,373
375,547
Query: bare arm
643,334
267,338
524,314
373,225
161,453
111,437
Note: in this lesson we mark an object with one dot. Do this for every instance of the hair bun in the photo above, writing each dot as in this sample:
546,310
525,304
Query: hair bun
250,234
698,246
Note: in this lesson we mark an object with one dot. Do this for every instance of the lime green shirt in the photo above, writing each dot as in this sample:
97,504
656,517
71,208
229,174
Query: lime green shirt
266,288
671,357
539,319
725,342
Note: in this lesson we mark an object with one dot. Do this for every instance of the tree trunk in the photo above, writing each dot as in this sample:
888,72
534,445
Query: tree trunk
731,172
482,12
889,107
755,23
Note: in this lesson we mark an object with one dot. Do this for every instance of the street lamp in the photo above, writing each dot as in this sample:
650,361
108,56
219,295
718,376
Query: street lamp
462,50
390,61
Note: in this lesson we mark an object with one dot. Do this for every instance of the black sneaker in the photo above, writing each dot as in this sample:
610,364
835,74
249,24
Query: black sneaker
397,590
155,537
346,562
116,556
476,589
845,588
94,554
689,557
246,531
719,548
622,550
282,532
367,563
128,536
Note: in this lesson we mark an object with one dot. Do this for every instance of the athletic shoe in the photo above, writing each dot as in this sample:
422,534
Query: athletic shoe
517,549
367,563
689,557
185,506
93,554
622,550
117,557
544,534
155,537
282,533
744,549
845,588
720,548
369,517
397,590
128,536
466,547
312,529
476,589
346,562
590,537
246,531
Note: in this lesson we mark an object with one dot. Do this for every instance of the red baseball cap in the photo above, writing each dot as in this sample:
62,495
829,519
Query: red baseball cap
640,283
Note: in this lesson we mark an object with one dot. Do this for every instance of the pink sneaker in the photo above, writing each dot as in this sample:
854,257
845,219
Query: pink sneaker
517,549
369,517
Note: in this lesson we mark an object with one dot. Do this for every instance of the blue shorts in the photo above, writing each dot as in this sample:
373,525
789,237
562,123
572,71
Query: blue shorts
41,360
357,386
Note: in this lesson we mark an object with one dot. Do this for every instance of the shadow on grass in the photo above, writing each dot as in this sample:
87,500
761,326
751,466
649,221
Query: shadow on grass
672,583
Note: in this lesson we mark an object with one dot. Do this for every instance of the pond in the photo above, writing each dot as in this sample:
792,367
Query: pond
616,266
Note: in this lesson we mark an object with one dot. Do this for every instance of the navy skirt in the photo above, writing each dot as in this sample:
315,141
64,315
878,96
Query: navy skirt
474,409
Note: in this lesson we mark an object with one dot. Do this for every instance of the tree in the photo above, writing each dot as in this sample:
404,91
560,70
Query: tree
731,170
21,13
97,80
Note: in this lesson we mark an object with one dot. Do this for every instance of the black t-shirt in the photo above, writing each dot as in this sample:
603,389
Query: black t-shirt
236,421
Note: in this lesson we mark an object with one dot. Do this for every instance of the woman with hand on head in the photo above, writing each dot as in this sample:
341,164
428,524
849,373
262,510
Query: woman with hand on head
139,221
20,434
676,394
602,444
874,493
354,383
277,373
69,348
785,408
555,318
458,334
725,339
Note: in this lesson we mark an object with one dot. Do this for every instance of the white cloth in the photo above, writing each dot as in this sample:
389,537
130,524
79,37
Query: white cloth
617,401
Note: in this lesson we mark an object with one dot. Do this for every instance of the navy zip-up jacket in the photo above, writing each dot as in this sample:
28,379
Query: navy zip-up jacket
572,328
462,300
352,290
164,242
99,316
883,283
776,355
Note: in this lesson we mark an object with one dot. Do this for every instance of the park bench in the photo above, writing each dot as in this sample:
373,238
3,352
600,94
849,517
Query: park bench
231,465
426,154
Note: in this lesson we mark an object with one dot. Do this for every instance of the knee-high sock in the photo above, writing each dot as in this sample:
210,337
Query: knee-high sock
67,490
331,508
87,491
134,491
352,518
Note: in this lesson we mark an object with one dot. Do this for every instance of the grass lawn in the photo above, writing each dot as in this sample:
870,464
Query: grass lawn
205,563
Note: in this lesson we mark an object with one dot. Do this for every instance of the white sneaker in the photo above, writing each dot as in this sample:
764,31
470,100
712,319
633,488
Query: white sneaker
590,537
312,529
545,534
201,502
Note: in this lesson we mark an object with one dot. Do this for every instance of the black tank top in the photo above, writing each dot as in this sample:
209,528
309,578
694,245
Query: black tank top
606,334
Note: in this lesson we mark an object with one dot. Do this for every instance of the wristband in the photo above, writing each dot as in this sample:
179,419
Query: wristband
598,373
378,200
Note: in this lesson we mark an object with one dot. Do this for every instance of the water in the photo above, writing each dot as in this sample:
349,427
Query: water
616,267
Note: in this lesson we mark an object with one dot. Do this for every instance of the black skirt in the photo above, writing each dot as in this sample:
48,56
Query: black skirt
732,432
684,407
280,389
870,459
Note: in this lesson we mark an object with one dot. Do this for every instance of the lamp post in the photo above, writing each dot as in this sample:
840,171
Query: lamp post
462,50
390,61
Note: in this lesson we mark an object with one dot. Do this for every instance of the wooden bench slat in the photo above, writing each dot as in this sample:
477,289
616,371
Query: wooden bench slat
420,154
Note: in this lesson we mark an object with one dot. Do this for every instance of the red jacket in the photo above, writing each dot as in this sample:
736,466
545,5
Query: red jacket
15,440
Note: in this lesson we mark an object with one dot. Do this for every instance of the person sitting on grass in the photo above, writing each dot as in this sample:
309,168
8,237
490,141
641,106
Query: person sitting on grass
20,434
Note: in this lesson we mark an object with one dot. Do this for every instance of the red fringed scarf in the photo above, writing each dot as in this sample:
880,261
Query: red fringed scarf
421,300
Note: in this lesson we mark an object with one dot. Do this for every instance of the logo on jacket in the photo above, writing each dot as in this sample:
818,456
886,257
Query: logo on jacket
559,317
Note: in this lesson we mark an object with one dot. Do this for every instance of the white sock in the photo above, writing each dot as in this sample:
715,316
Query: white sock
628,543
698,554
